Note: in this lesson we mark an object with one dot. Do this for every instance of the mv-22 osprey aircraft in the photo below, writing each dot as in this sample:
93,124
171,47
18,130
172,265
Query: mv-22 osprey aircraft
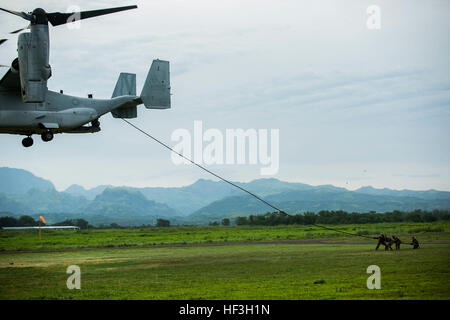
27,107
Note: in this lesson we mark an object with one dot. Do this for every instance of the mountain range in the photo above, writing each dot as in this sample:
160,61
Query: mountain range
21,192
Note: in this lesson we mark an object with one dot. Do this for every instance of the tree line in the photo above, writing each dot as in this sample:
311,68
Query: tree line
224,222
28,221
342,217
268,219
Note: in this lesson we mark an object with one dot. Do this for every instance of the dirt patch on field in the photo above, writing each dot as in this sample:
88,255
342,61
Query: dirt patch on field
212,244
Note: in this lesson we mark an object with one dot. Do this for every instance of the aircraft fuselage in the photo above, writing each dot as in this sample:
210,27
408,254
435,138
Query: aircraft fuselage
58,113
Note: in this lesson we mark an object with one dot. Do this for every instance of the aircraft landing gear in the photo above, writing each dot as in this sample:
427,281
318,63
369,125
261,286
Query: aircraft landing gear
27,142
47,136
95,123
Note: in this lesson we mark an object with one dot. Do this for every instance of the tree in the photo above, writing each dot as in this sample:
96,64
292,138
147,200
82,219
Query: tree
225,222
213,223
8,222
240,221
26,221
82,224
309,218
395,216
162,223
428,217
413,217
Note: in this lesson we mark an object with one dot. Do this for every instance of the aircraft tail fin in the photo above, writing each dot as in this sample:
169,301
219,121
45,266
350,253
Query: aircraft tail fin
156,91
125,86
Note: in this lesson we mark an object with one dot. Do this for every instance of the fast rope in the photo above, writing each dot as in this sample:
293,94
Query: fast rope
231,183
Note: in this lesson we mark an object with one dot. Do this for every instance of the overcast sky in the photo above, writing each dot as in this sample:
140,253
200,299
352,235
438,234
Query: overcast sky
354,106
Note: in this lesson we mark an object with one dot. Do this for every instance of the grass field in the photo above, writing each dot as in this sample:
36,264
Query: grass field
230,272
240,271
57,239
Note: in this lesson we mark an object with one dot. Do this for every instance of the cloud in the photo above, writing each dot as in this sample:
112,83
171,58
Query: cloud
420,176
343,97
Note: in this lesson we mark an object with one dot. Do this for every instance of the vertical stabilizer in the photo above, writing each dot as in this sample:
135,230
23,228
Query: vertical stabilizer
156,91
125,86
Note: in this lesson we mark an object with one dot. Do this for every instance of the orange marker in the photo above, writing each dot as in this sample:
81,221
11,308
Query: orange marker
43,220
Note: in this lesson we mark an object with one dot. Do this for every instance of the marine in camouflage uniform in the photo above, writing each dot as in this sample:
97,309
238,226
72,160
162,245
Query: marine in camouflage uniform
414,243
388,243
397,242
381,240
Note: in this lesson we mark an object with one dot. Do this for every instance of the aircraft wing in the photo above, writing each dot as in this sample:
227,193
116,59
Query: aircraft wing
11,80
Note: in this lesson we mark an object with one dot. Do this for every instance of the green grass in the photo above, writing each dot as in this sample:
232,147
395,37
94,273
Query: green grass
57,239
282,271
241,271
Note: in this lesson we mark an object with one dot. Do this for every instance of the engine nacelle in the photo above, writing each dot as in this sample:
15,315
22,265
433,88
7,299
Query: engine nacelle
33,65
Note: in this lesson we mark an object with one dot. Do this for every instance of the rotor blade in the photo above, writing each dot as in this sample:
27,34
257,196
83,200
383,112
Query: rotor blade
3,66
21,29
2,41
58,18
20,14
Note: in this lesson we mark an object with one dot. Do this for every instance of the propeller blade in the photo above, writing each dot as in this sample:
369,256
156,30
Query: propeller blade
21,29
58,18
24,15
2,41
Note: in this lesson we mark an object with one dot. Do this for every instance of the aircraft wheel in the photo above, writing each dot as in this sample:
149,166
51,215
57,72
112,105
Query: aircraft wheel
27,142
47,136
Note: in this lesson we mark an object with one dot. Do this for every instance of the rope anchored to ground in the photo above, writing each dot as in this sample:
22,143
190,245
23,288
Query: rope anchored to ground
231,183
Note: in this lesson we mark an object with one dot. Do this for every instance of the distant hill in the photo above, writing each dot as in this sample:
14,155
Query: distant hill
316,199
123,202
201,202
428,194
8,205
116,205
191,198
184,200
90,194
18,181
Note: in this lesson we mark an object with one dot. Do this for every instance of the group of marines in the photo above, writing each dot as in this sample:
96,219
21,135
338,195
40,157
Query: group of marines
388,242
